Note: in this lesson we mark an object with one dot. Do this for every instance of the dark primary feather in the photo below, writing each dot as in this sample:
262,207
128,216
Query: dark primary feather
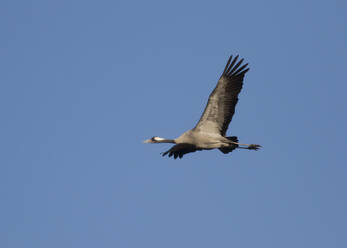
221,103
180,149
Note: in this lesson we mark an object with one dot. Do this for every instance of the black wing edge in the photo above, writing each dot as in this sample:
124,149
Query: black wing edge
232,70
179,150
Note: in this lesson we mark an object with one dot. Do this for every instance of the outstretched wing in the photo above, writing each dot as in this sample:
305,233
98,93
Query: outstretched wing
180,149
221,104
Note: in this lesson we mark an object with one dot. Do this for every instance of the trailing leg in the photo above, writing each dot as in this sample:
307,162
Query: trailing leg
247,146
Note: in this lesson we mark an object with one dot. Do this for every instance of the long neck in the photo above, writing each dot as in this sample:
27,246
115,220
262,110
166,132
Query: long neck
162,140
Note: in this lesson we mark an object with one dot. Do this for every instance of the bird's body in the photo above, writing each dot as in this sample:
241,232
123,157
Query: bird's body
210,131
201,140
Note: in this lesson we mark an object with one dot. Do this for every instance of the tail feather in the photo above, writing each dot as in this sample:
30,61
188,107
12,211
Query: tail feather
226,150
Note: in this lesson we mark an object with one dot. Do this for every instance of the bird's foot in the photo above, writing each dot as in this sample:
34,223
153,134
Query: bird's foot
254,147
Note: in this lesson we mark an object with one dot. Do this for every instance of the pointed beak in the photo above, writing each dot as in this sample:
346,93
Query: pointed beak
148,141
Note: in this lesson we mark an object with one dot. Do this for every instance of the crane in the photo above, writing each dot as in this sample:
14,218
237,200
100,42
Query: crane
210,131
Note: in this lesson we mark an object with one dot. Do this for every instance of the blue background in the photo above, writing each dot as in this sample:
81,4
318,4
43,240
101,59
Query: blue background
83,83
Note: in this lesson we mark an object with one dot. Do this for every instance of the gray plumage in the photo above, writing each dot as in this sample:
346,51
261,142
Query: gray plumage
210,132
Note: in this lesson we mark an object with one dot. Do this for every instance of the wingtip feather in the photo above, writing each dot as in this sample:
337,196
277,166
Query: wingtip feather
227,65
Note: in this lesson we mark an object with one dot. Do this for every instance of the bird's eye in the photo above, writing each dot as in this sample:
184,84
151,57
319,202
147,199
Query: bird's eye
153,138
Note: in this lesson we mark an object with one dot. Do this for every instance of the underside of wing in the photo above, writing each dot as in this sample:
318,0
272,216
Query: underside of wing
180,149
221,104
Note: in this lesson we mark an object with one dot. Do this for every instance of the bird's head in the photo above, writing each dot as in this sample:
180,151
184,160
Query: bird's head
154,139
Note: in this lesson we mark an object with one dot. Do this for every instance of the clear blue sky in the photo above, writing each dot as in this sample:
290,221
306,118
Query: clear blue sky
83,83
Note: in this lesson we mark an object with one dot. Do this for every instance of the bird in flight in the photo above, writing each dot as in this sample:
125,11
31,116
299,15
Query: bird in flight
210,132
